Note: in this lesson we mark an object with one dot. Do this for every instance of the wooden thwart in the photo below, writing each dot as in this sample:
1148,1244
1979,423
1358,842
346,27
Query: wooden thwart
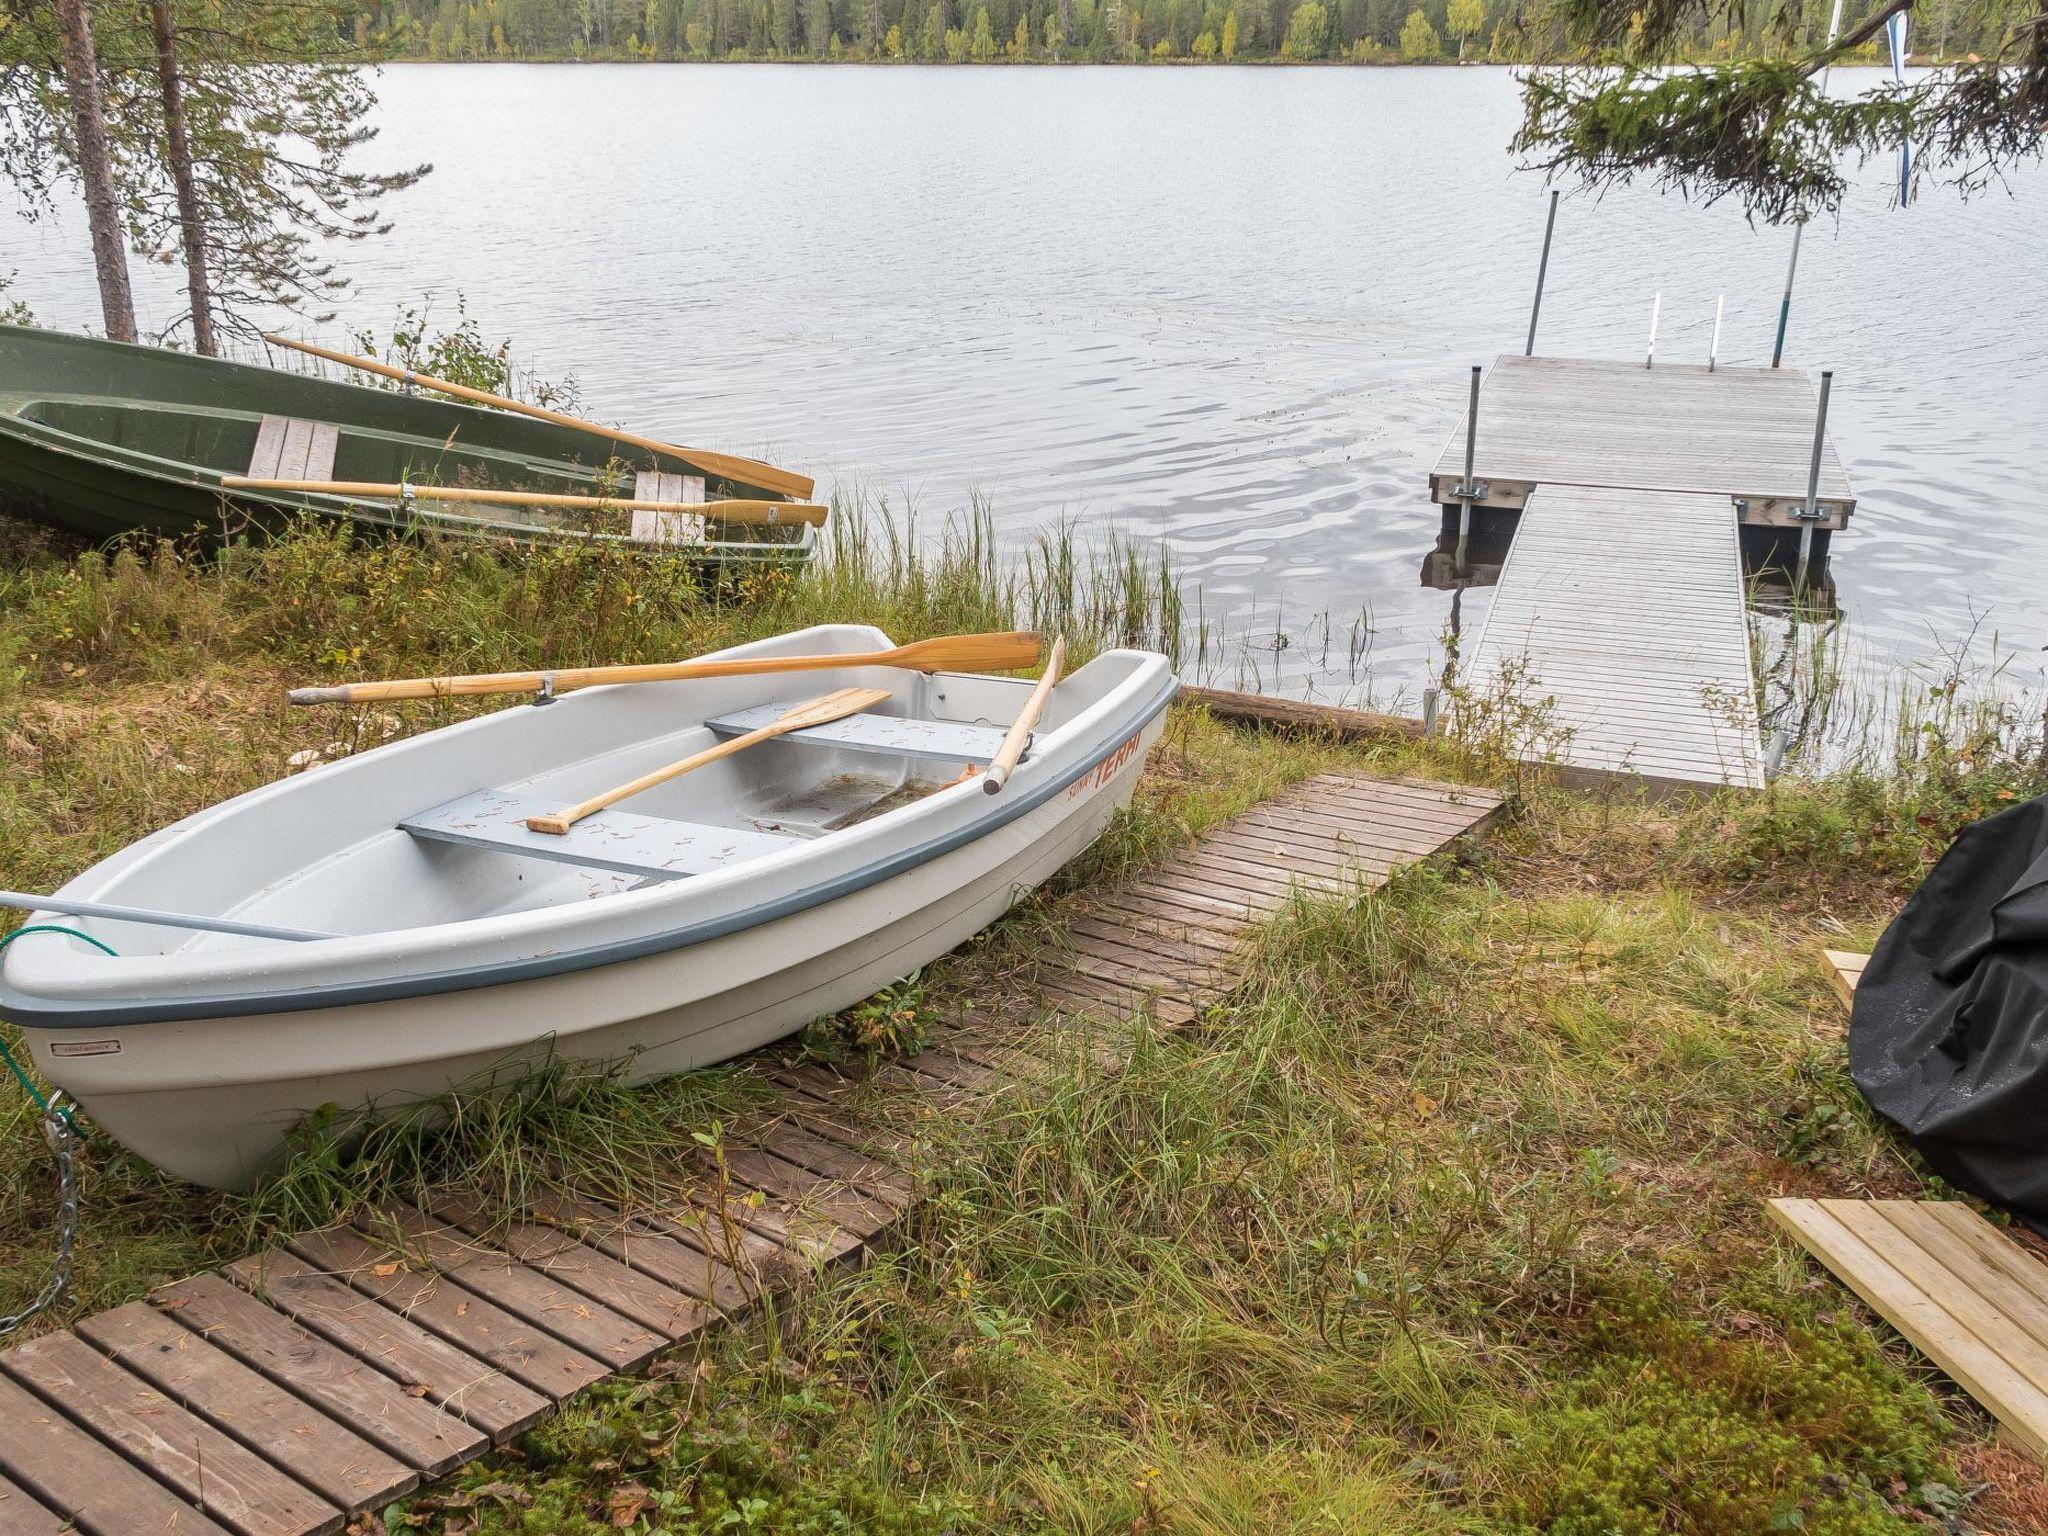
301,1387
1963,1293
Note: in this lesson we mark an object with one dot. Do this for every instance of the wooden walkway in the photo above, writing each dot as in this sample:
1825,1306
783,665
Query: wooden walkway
294,1389
1965,1294
1623,612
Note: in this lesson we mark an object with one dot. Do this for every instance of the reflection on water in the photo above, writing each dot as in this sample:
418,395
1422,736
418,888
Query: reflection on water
1229,310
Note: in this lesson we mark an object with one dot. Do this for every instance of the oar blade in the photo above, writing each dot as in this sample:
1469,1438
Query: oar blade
1004,651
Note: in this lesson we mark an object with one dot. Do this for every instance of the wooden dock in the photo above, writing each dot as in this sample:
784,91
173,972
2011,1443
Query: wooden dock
1622,613
297,1389
1620,608
1745,434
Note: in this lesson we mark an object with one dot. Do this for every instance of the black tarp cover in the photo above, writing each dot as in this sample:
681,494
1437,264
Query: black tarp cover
1949,1037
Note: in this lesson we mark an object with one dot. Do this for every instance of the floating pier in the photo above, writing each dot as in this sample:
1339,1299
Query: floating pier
1636,499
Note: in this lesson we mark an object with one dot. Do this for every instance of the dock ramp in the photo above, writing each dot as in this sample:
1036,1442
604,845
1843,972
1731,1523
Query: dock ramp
1621,614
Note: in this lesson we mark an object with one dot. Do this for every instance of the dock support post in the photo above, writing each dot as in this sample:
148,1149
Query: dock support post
1542,272
1468,490
1714,346
1809,514
1656,310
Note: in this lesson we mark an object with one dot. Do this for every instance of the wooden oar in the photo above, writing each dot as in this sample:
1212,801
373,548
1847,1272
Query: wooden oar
728,465
1001,652
1012,749
819,711
754,512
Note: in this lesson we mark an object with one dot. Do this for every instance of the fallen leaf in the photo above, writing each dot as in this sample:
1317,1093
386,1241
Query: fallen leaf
627,1502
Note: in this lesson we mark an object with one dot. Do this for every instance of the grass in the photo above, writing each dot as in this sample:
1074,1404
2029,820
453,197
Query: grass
1446,1221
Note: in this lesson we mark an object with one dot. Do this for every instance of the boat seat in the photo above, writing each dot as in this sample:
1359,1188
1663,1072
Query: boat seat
652,527
655,847
940,741
288,448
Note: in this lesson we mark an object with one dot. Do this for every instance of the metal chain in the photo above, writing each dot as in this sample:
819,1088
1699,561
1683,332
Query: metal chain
63,1140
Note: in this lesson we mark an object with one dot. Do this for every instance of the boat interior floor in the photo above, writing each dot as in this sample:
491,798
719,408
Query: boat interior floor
793,806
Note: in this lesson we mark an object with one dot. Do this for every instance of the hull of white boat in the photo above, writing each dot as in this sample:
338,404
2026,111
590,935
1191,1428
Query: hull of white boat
210,1084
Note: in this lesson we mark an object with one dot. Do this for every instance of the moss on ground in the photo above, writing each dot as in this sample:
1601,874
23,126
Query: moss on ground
1447,1220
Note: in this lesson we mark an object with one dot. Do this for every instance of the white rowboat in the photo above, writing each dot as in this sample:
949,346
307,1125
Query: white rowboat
449,944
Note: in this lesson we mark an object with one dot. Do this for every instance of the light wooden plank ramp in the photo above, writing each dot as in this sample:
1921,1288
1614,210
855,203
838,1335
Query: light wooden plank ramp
1622,611
297,1388
1845,970
1962,1292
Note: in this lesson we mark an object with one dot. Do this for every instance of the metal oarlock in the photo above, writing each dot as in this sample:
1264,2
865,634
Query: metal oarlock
1809,512
1542,272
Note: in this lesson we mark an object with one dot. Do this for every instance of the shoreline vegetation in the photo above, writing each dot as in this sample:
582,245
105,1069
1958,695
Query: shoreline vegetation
1447,1220
1295,32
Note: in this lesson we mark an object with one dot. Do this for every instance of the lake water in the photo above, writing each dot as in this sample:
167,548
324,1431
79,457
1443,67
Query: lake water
1228,309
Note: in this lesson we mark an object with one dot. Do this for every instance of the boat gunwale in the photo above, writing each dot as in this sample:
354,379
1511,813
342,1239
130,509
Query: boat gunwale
33,1013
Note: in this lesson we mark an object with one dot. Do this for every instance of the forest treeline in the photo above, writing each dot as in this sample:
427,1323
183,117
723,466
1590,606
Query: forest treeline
1106,31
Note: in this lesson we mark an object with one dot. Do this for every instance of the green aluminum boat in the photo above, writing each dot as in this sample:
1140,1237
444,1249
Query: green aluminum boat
105,438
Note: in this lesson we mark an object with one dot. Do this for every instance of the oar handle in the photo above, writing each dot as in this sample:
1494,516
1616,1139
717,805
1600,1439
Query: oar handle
1011,752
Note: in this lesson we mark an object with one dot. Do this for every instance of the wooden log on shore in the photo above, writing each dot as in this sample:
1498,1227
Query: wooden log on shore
1296,715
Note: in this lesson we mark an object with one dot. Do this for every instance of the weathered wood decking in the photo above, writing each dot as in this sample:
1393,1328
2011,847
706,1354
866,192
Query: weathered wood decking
330,1375
1622,613
1739,433
1965,1294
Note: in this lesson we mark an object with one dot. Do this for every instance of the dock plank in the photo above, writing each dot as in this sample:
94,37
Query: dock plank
421,1435
1744,432
460,1382
290,1433
516,1346
72,1472
188,1455
22,1514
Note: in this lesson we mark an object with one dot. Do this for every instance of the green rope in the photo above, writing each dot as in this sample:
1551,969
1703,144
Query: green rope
27,1083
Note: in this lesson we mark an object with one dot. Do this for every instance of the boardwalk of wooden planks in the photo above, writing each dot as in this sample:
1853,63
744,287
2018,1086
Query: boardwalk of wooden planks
1964,1293
294,1389
1734,432
1624,609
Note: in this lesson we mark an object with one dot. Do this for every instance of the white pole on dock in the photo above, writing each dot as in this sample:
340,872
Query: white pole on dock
1810,513
1656,309
1542,271
1799,229
1714,346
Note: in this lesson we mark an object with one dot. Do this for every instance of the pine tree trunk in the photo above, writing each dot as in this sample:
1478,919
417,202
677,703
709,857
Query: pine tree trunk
874,29
96,169
178,151
1066,23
